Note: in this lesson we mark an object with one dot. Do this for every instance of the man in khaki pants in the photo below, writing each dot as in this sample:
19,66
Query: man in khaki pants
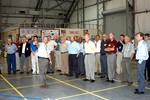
97,55
128,53
64,56
89,59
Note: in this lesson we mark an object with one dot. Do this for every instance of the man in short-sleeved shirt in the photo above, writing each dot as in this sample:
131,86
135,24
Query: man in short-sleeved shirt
111,49
73,50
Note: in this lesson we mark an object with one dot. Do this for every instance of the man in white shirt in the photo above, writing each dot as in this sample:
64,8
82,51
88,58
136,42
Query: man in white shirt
141,56
44,59
89,59
97,55
52,45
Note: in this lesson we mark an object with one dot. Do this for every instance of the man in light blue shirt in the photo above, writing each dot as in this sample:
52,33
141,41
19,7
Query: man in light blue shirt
146,38
11,49
141,56
74,51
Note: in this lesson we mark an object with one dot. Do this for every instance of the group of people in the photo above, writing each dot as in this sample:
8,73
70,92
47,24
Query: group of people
76,56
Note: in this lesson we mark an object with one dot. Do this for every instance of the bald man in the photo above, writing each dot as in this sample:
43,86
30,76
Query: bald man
111,49
128,53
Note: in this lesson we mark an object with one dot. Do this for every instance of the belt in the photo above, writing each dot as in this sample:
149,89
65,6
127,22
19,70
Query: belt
42,58
63,52
11,54
97,52
89,54
111,53
126,57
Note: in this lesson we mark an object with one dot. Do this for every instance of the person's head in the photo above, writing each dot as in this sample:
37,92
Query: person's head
87,37
9,40
24,39
146,37
126,39
139,36
20,40
49,38
76,38
80,39
57,37
97,37
121,37
45,39
72,38
111,36
35,38
104,37
29,40
63,39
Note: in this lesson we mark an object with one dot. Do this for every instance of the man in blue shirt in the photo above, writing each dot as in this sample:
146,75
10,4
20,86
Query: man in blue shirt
119,54
103,58
141,56
11,49
34,55
74,51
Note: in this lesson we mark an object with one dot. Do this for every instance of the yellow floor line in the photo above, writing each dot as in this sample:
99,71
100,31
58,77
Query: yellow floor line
18,78
13,87
101,90
115,87
22,87
77,88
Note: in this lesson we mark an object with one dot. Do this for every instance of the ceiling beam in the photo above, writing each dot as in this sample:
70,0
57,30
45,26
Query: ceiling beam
31,8
40,17
38,7
71,10
59,4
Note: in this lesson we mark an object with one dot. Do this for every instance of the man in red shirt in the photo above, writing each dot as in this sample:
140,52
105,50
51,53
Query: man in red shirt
111,49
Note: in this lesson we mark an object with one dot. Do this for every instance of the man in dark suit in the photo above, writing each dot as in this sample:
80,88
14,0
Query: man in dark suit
24,54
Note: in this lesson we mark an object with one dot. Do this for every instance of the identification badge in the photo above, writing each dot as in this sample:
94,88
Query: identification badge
109,45
128,49
105,45
18,46
27,48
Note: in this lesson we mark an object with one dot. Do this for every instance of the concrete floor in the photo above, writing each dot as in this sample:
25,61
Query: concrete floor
14,87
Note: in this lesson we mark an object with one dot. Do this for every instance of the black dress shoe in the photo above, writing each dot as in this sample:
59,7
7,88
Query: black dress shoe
28,72
82,74
112,81
85,79
47,72
9,73
92,81
107,80
69,75
102,77
61,74
14,73
137,92
21,72
76,76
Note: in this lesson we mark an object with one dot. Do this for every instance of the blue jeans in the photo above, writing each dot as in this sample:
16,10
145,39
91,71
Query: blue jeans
103,61
141,76
11,62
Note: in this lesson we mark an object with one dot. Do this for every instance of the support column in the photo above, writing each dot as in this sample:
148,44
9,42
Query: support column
97,16
127,15
78,14
83,13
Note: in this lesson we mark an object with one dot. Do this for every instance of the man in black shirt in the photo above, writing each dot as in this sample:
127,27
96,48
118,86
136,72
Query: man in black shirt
119,54
103,58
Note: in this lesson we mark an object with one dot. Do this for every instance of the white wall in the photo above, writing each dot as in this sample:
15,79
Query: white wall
142,21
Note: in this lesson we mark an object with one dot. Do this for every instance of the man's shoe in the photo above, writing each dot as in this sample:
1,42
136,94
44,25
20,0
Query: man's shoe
112,81
85,79
28,72
21,72
107,80
92,81
137,92
102,77
76,76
